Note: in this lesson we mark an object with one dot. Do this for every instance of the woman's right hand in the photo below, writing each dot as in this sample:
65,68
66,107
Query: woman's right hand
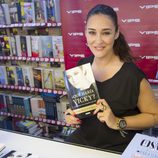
70,117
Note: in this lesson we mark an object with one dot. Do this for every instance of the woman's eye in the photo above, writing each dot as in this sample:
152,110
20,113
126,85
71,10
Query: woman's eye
106,33
92,33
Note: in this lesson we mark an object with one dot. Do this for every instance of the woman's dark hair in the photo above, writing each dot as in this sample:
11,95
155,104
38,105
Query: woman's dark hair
120,47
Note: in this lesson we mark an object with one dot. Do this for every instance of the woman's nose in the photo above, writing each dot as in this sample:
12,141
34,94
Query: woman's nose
99,38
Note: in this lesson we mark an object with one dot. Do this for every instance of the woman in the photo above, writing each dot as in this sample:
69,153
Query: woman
128,104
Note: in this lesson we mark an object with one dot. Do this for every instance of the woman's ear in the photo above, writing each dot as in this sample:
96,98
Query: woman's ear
117,34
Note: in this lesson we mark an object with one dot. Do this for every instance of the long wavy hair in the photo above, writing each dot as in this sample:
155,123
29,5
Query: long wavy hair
121,47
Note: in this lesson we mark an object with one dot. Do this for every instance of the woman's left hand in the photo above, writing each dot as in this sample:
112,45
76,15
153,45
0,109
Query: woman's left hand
105,114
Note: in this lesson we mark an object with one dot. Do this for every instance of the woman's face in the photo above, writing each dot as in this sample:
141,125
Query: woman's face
100,33
75,77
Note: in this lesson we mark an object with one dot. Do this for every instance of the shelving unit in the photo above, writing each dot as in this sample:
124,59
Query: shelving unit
53,29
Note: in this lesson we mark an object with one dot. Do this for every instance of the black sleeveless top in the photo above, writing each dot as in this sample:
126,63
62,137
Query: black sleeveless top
121,93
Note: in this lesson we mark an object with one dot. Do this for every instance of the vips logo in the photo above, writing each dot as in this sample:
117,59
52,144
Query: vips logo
149,57
74,11
155,6
137,45
130,20
77,55
75,34
148,32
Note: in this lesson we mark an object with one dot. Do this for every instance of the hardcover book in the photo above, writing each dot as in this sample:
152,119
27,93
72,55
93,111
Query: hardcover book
81,89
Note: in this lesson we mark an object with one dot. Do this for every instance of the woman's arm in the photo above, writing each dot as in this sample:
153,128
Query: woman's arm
148,106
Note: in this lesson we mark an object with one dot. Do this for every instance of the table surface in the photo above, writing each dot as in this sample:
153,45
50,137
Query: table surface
47,149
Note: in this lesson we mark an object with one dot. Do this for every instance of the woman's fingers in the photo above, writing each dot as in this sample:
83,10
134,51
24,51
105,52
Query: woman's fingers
70,117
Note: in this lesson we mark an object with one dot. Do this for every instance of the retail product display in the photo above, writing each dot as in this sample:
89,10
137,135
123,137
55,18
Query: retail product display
32,65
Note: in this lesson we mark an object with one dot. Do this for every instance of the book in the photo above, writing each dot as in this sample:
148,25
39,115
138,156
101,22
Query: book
38,107
81,89
3,75
5,46
57,10
28,76
36,46
2,16
21,104
13,11
38,77
40,11
13,49
142,146
20,78
50,11
59,79
46,46
48,79
58,47
6,13
17,154
27,12
3,106
11,75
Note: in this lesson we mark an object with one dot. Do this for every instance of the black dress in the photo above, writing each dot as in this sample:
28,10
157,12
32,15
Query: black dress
121,93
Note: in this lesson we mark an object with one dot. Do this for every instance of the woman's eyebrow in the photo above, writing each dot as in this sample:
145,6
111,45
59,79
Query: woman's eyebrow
105,29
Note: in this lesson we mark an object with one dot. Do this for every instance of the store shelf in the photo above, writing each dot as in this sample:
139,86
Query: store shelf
33,89
42,59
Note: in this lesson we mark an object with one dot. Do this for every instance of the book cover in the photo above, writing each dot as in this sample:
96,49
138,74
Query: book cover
81,89
3,76
38,107
13,49
58,47
28,76
27,12
59,79
48,79
5,46
46,46
13,11
38,77
3,106
57,10
50,11
36,46
40,11
141,146
11,75
21,104
2,16
20,77
5,7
